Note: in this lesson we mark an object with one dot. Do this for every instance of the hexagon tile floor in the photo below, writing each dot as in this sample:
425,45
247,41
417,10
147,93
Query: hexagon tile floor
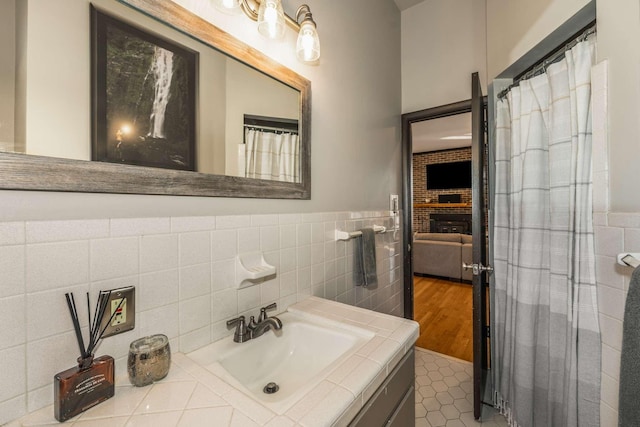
444,395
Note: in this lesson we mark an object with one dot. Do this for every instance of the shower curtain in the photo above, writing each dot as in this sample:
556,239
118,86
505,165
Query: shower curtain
271,155
545,335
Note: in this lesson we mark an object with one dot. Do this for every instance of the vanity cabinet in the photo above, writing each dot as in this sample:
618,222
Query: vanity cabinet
392,405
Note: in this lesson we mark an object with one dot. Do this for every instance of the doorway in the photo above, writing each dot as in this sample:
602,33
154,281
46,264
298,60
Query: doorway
478,243
442,225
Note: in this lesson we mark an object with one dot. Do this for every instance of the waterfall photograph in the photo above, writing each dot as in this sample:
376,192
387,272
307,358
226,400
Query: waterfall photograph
144,97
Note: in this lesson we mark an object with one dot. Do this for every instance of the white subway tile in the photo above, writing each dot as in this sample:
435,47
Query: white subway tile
303,256
111,284
195,281
158,252
311,217
330,251
54,265
289,219
609,240
611,361
194,340
317,274
600,219
248,240
287,260
12,233
161,320
231,222
288,284
37,399
195,313
303,234
608,415
304,279
611,331
121,227
113,258
195,248
224,244
608,272
14,381
61,353
609,391
317,253
223,275
48,314
193,223
12,266
611,302
269,239
158,289
224,305
317,232
13,409
287,236
59,231
269,292
624,220
249,298
264,220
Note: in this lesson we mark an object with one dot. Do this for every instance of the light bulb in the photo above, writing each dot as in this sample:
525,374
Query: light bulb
271,19
308,44
227,6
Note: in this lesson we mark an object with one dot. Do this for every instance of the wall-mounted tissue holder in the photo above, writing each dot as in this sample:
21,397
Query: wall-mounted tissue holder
250,268
629,259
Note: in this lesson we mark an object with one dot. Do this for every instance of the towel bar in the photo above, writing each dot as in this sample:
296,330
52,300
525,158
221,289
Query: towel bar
345,235
629,259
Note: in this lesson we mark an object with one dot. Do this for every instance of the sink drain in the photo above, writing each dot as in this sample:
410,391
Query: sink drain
271,388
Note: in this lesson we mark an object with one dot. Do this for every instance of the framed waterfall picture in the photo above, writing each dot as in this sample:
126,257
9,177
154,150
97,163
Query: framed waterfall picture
143,97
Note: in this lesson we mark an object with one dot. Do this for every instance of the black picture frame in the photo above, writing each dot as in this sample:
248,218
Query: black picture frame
143,97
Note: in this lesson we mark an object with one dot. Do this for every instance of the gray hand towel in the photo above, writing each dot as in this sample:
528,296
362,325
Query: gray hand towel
365,259
629,409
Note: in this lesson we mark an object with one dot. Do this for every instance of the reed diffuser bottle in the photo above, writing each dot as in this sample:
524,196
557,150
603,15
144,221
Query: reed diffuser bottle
91,381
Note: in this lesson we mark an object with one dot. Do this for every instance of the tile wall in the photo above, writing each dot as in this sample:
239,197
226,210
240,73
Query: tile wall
614,233
184,273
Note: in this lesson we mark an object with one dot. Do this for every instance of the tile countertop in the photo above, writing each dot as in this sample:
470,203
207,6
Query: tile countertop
192,396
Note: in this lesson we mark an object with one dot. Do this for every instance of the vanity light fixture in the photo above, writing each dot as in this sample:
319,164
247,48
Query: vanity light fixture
272,20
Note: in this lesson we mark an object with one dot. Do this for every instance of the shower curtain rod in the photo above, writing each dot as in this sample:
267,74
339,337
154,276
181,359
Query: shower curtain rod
552,58
270,128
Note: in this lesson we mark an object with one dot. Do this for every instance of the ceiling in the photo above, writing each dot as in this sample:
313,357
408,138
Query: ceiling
428,135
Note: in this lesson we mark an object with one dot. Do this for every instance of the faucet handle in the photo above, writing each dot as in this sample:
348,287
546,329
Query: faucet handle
252,323
241,334
263,311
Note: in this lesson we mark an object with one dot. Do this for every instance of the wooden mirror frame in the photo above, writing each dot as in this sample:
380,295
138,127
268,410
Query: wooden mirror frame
30,172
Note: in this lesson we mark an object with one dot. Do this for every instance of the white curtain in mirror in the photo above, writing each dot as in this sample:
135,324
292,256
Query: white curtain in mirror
272,155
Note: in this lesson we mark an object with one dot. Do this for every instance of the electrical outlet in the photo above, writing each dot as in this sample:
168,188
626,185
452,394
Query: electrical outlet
120,313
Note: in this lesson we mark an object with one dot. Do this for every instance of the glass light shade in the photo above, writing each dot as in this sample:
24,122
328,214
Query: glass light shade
231,7
308,45
271,19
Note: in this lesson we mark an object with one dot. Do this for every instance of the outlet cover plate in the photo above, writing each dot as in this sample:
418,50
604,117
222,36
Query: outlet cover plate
125,319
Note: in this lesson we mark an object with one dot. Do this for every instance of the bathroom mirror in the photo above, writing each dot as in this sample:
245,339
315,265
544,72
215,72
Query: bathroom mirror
48,110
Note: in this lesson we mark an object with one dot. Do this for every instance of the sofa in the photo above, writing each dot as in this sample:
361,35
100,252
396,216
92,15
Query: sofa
442,254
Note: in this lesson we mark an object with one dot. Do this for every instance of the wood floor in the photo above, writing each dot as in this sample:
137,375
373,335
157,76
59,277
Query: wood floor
444,311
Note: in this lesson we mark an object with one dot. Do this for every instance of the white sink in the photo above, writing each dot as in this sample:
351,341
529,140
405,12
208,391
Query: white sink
296,358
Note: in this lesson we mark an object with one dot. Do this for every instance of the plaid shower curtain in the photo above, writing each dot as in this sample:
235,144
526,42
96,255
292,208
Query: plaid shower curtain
545,335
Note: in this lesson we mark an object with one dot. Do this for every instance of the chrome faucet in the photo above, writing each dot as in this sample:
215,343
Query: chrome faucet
245,332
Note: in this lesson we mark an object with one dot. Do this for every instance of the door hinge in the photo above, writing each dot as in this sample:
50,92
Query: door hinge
487,331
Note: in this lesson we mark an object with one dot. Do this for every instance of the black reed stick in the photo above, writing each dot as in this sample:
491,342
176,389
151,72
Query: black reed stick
108,323
76,324
95,334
